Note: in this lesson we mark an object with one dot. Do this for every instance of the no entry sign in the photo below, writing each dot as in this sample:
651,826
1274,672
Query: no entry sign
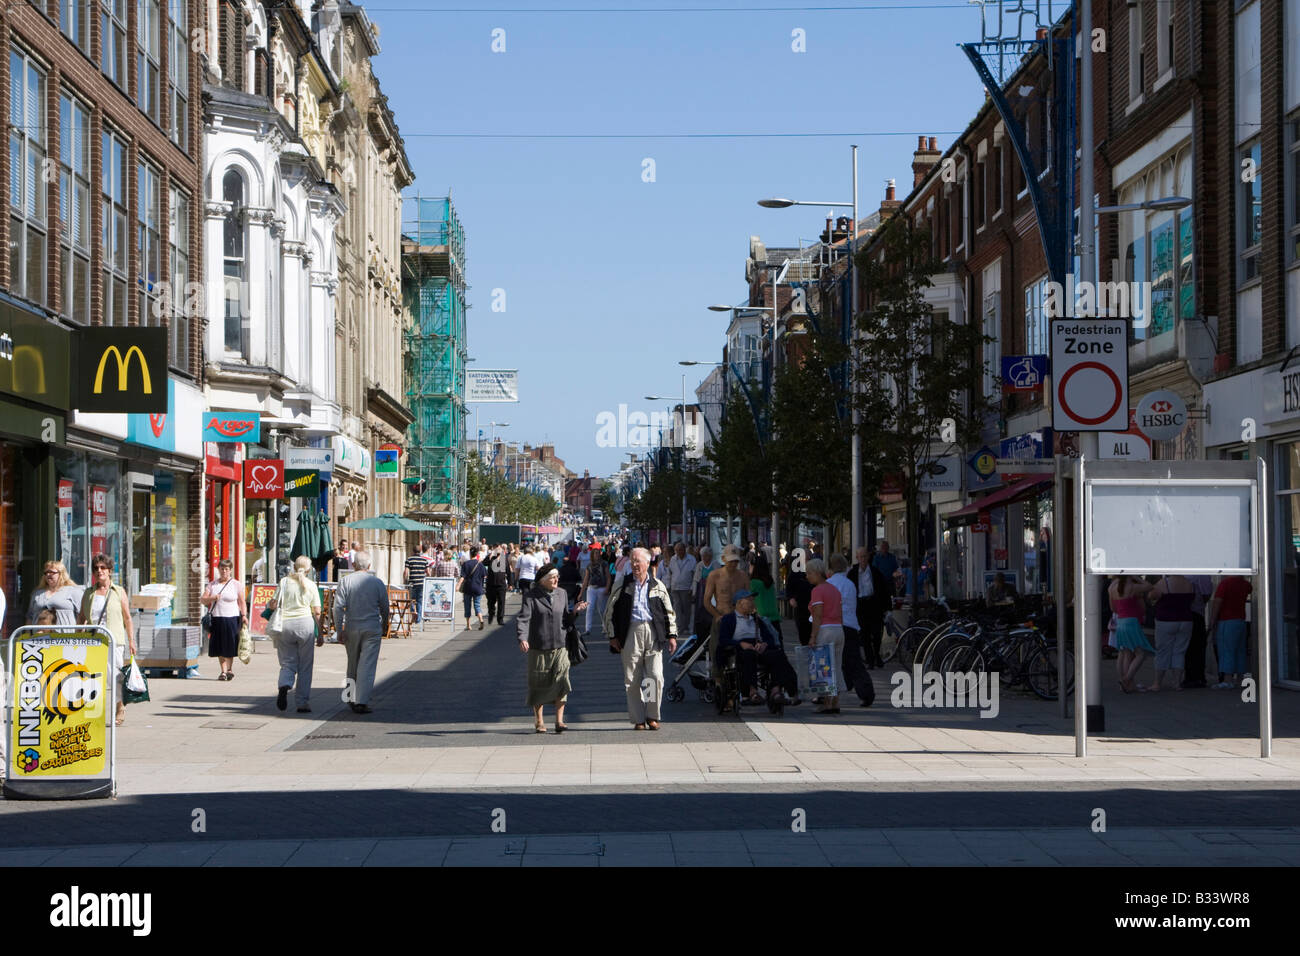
1090,365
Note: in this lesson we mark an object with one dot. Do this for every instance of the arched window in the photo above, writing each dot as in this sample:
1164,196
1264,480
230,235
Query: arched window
235,255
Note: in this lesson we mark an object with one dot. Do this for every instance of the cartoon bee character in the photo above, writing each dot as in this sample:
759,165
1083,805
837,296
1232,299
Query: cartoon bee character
69,688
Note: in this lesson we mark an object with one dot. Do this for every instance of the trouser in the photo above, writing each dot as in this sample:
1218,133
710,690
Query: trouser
855,670
1172,640
363,657
802,625
778,666
682,607
496,604
1195,671
871,622
296,650
525,584
417,595
642,660
596,606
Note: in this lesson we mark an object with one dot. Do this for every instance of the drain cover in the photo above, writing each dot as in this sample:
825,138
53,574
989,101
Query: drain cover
233,724
330,736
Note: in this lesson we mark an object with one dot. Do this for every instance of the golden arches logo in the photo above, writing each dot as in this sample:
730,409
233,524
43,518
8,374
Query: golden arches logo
123,368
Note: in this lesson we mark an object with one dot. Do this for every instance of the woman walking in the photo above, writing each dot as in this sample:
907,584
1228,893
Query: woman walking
224,599
540,630
595,587
104,604
764,589
824,605
57,594
298,601
1126,593
1173,597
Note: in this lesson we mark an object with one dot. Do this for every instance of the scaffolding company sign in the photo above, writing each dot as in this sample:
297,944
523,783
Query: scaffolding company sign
492,385
1090,362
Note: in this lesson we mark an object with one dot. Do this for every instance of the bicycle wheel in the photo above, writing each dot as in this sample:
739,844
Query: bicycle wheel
941,648
1040,674
927,643
965,659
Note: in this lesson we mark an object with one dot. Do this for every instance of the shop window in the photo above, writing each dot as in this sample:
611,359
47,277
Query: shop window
178,271
178,70
148,32
1248,213
1136,52
1159,250
148,242
992,344
74,21
1037,341
234,243
112,35
74,207
28,223
1292,202
114,226
88,521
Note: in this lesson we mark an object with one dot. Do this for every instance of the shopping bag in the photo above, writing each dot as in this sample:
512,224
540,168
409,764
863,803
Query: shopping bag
820,671
135,689
245,645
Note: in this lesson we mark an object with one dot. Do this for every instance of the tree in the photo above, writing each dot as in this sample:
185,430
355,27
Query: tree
810,451
920,388
738,473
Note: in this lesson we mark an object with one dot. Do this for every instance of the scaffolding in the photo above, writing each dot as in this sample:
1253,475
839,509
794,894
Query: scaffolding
433,294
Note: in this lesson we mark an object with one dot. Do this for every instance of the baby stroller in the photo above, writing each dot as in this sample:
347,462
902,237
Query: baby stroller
692,660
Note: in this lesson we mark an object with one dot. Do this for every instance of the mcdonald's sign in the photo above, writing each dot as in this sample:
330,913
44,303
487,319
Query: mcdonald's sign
121,370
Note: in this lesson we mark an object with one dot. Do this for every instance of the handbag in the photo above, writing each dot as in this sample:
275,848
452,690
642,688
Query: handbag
245,645
275,626
575,645
206,621
135,689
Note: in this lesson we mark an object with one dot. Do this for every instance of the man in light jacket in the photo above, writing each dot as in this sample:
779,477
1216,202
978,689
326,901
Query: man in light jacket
361,620
681,581
640,622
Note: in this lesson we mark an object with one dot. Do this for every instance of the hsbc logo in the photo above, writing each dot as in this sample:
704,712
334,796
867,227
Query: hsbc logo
1162,406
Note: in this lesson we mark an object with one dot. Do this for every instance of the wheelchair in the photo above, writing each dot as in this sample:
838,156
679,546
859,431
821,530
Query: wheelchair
729,695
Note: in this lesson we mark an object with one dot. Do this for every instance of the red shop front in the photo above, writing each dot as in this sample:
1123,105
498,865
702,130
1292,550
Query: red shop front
225,474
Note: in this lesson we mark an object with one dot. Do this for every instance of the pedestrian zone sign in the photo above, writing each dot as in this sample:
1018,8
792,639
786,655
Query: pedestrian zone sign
1090,365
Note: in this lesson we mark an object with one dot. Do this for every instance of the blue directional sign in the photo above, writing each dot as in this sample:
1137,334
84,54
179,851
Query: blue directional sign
1023,373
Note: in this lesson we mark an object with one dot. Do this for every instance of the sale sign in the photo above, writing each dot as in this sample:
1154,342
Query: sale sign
264,479
98,519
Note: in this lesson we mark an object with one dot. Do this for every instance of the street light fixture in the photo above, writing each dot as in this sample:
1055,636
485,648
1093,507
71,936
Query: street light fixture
1164,204
855,531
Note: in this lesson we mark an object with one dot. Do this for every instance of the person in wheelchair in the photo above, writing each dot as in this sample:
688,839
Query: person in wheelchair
753,641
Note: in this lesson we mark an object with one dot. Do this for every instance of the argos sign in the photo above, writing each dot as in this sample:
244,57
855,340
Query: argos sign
232,427
1162,415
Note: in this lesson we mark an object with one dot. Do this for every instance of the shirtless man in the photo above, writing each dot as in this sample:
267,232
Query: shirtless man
721,584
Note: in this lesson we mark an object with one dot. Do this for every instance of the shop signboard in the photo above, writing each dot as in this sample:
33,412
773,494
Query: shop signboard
264,479
1161,415
42,426
942,474
492,385
99,519
983,524
261,596
386,462
155,429
439,599
1023,373
120,369
301,483
232,428
58,727
982,469
311,459
1031,446
36,357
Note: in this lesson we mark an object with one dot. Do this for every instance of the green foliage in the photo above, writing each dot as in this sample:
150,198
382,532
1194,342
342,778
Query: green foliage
737,474
489,492
810,451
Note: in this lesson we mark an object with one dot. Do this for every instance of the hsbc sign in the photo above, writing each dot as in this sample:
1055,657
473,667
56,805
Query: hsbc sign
1162,415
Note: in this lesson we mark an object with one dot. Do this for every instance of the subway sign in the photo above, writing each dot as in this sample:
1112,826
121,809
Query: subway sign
120,370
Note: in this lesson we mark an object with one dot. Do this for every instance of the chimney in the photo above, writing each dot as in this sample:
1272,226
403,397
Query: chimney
926,155
890,204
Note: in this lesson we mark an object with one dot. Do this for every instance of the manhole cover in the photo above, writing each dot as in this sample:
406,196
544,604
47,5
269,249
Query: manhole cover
330,736
233,724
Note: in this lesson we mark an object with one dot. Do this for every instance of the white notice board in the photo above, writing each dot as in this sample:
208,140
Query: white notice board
1170,526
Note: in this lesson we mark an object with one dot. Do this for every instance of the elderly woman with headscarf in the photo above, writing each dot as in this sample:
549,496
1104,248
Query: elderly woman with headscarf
540,628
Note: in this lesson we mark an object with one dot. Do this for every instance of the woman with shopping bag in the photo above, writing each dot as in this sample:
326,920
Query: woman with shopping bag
104,604
224,599
295,629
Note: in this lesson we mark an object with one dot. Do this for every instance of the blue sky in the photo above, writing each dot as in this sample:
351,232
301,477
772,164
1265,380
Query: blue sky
607,277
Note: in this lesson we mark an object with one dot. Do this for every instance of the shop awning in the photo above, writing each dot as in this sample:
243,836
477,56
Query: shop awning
1022,489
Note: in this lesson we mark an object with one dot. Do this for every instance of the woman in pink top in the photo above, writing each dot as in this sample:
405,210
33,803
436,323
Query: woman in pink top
825,606
1126,593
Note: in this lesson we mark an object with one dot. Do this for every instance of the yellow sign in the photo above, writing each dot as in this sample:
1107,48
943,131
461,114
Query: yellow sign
123,369
60,690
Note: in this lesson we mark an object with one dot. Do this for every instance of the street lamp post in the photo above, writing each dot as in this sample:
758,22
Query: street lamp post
681,444
855,531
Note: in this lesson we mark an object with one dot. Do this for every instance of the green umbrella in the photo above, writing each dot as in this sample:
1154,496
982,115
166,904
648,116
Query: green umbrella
390,523
313,538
